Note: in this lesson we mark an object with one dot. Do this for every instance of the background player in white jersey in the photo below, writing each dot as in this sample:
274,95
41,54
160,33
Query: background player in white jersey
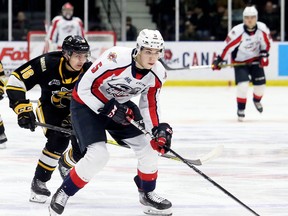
101,101
62,26
3,137
248,42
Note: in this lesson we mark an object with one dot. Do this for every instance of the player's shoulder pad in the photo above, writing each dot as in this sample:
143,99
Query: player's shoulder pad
159,71
117,57
78,19
47,60
237,30
263,27
56,18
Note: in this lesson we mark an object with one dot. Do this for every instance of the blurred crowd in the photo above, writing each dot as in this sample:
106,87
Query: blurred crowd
200,20
208,19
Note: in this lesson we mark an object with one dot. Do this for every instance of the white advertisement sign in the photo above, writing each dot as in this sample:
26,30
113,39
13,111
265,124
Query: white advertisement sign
177,54
13,55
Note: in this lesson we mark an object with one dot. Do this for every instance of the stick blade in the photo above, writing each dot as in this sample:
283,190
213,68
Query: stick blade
213,154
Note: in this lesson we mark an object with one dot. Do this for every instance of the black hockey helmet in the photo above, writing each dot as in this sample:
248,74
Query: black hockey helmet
75,44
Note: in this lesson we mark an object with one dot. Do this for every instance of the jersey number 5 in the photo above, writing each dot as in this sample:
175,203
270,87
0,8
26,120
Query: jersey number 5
97,66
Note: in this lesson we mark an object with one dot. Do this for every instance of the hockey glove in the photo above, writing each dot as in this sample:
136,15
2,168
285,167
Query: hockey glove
216,63
66,123
117,112
263,57
162,138
136,115
26,116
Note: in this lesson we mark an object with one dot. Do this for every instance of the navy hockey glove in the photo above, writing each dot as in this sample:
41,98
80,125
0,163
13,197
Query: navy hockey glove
263,58
216,63
162,138
117,112
26,116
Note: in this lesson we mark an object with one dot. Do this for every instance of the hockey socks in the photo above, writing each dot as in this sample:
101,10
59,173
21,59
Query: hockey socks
72,183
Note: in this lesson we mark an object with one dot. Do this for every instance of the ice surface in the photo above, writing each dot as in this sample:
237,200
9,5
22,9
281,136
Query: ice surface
253,166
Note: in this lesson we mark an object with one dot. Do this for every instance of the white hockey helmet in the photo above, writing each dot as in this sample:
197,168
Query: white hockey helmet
250,11
149,39
67,10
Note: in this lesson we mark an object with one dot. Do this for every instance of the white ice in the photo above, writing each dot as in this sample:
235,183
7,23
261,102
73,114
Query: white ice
253,166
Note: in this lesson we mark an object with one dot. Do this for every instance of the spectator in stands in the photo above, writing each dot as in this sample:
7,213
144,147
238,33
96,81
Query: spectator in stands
20,27
131,30
271,18
202,21
220,23
189,32
62,26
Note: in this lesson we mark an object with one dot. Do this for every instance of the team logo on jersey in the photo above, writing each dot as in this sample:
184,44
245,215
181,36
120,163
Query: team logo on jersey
61,98
54,82
228,39
112,57
122,90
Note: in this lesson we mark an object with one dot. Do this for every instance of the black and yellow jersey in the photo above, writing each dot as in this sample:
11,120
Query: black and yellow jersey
49,72
1,74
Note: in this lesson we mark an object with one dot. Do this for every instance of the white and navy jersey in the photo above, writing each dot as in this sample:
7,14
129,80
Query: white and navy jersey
114,75
61,28
245,46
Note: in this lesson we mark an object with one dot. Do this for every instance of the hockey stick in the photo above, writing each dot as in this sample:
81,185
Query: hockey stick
142,129
206,66
198,162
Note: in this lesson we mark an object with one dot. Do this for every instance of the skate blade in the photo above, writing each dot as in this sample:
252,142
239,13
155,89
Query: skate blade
52,212
153,211
241,119
2,145
37,198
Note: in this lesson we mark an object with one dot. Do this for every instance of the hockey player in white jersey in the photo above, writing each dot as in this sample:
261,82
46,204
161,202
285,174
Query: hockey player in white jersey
62,26
101,101
248,43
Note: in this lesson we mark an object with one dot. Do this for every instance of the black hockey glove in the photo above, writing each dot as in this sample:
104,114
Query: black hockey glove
66,123
162,138
26,116
117,112
136,115
263,58
216,63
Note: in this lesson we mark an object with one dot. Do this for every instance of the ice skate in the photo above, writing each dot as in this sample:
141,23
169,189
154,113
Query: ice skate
63,168
258,106
39,191
241,115
154,204
3,139
58,202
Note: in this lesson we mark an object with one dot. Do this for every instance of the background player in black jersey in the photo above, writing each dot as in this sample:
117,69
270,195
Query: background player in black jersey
56,74
3,137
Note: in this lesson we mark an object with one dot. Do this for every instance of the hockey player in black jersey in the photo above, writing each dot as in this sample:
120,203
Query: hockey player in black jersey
3,137
56,74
